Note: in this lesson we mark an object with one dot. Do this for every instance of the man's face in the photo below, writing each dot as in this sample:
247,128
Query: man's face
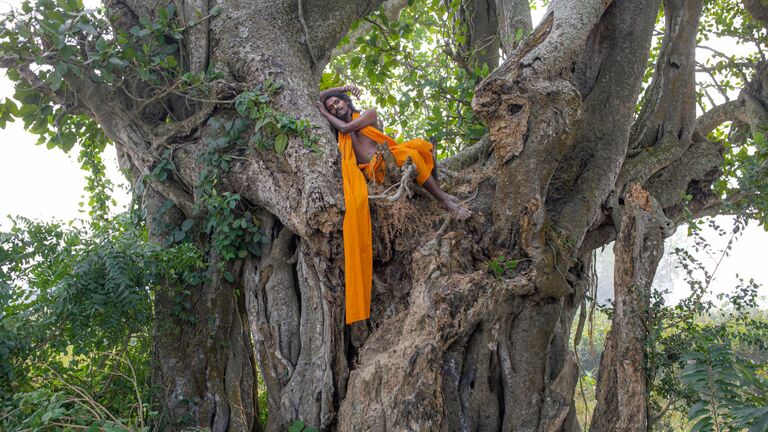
336,106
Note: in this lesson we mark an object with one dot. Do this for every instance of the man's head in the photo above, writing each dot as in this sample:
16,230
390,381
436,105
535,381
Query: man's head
339,104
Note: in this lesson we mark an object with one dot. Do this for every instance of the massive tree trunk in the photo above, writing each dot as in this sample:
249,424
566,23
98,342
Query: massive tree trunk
450,345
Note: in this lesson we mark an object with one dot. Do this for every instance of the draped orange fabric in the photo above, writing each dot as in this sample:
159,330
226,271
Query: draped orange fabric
417,149
358,248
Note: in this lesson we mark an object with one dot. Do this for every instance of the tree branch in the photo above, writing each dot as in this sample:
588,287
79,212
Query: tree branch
729,111
196,39
392,9
469,156
513,16
757,8
529,136
328,21
590,167
669,104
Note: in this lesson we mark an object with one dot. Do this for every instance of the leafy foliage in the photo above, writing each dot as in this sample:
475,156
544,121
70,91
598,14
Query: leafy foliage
75,316
502,266
299,426
744,184
271,129
732,391
413,75
69,43
728,336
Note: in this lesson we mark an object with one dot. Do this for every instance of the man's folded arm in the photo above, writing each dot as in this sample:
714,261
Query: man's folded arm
368,118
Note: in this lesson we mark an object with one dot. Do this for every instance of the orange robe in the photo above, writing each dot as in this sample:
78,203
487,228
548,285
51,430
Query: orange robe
358,247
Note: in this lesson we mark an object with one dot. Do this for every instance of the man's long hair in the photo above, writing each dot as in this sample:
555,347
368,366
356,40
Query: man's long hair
345,97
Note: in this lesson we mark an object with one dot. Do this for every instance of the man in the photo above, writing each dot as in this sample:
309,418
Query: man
358,139
338,109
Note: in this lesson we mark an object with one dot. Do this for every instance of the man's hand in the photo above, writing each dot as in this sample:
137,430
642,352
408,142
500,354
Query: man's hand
352,89
323,110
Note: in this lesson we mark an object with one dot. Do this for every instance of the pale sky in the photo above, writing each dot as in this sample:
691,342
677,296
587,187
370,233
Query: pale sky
48,184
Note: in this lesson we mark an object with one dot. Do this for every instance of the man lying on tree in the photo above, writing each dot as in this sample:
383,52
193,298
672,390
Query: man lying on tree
358,140
337,107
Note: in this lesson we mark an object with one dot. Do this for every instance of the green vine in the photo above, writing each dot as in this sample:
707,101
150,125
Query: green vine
272,128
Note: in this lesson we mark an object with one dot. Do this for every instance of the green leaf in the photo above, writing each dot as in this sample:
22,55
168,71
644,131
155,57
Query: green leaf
296,426
118,62
703,425
215,11
54,80
698,409
281,142
519,34
140,32
229,277
101,44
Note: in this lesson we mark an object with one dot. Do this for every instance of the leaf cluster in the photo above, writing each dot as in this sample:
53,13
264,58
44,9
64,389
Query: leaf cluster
271,128
731,391
412,79
76,312
730,334
502,266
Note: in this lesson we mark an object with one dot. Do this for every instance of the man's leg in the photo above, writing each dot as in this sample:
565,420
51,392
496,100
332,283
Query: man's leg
420,151
434,171
446,200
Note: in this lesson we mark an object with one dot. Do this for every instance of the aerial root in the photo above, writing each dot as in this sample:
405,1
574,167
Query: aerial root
403,186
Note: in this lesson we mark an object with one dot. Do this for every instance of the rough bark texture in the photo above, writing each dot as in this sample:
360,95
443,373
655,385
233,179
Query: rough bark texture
622,390
450,345
608,77
514,18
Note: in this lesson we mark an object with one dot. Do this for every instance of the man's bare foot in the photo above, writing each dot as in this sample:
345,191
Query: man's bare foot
456,210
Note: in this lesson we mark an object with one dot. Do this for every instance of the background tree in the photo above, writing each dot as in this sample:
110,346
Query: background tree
211,109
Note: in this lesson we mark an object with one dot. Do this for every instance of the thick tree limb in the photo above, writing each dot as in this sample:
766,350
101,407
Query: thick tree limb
483,43
729,111
513,16
469,156
530,108
667,118
669,104
757,8
609,76
691,174
755,97
328,21
194,13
